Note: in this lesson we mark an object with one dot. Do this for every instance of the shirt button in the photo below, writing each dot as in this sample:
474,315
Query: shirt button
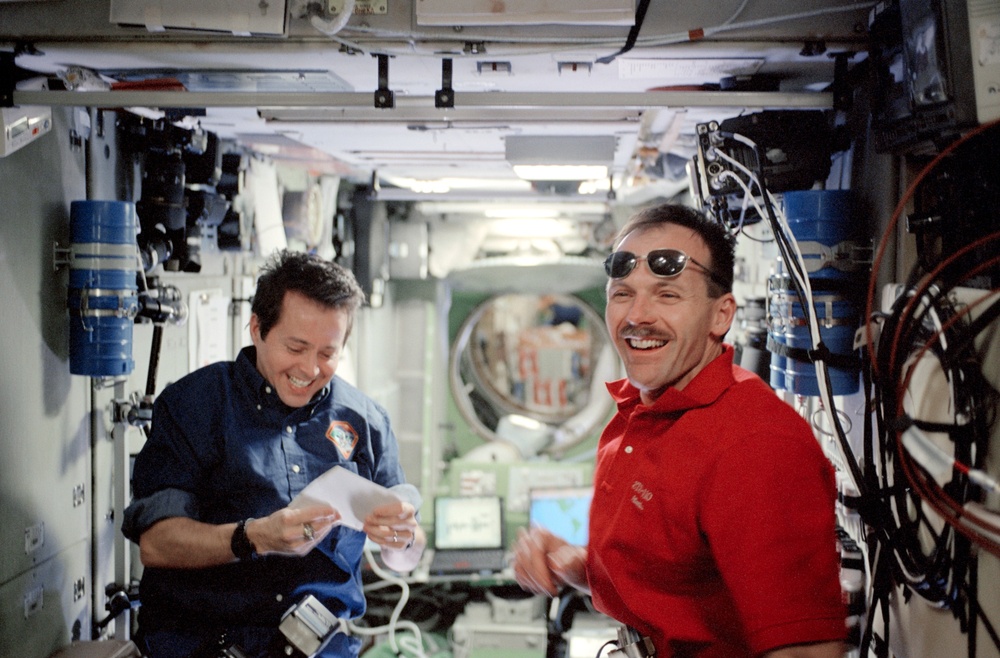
628,450
295,468
267,388
278,597
289,429
258,407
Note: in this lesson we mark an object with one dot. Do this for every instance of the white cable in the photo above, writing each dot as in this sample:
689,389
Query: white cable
801,276
819,364
142,271
788,17
379,584
411,644
743,212
394,620
736,14
753,179
574,44
800,272
748,196
782,223
931,455
330,28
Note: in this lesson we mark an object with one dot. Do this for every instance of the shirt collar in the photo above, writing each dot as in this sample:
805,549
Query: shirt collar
246,366
704,389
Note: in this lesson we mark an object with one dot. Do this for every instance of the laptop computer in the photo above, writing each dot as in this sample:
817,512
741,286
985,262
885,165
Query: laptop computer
468,535
563,511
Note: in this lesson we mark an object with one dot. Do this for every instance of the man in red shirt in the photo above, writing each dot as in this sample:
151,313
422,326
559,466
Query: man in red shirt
712,522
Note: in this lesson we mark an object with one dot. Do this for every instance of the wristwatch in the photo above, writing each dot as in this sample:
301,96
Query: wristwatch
240,544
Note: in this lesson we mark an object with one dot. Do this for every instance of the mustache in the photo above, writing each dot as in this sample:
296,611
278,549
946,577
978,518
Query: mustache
641,333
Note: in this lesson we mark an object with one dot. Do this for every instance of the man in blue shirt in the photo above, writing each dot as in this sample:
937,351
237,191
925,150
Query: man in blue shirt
231,445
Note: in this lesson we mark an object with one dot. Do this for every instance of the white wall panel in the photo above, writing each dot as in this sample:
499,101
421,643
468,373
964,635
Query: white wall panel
45,608
46,487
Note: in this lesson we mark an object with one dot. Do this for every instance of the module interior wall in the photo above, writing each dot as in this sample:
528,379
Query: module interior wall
44,420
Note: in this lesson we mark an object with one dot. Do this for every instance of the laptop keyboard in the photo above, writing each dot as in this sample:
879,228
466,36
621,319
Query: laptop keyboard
467,561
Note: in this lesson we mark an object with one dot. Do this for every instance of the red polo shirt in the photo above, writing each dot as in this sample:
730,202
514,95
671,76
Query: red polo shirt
712,523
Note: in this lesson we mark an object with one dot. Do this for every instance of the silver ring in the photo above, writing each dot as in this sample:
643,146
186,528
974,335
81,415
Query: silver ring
307,531
394,538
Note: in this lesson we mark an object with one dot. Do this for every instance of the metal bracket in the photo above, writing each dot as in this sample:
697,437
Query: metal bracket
445,96
384,97
843,94
61,256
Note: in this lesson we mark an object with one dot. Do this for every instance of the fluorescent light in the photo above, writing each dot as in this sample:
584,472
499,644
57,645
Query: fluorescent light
530,228
593,186
429,187
561,172
560,157
445,185
496,184
520,212
492,209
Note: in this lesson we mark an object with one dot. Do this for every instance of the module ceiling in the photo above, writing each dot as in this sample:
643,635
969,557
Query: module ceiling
317,93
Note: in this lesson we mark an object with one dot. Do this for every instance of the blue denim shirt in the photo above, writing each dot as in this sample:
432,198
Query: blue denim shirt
223,447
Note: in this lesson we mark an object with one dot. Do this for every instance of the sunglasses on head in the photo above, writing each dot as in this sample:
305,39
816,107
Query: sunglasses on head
662,262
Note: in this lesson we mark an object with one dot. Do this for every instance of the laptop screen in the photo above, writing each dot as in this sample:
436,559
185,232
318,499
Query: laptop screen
563,511
468,522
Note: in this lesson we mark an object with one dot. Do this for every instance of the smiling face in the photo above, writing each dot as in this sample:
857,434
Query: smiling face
300,354
666,329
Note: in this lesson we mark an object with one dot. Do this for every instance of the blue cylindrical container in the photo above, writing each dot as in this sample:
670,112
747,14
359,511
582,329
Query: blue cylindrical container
820,221
103,295
777,311
821,224
837,317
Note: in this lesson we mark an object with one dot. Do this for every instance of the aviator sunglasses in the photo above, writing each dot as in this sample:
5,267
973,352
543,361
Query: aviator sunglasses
662,262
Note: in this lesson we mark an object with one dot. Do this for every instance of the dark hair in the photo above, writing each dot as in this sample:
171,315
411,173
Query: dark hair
721,245
322,281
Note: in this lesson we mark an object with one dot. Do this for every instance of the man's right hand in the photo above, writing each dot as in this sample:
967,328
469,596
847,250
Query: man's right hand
292,531
182,543
544,563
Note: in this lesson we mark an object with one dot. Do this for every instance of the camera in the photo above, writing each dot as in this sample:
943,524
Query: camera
632,645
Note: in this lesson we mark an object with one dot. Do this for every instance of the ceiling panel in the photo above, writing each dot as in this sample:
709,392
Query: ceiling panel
525,80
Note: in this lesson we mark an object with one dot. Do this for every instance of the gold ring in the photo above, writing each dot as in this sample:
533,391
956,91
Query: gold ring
307,531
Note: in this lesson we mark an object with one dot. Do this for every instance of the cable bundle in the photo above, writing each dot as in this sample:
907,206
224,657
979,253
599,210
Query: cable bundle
935,411
798,278
920,485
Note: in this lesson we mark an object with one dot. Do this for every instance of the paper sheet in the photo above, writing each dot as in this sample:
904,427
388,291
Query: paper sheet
348,493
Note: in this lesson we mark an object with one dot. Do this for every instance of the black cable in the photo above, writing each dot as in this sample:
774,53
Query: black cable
746,235
978,325
868,455
976,611
633,34
888,527
923,321
939,571
781,239
974,606
929,573
949,575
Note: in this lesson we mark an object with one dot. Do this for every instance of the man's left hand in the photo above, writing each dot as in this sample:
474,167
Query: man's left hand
395,528
393,525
